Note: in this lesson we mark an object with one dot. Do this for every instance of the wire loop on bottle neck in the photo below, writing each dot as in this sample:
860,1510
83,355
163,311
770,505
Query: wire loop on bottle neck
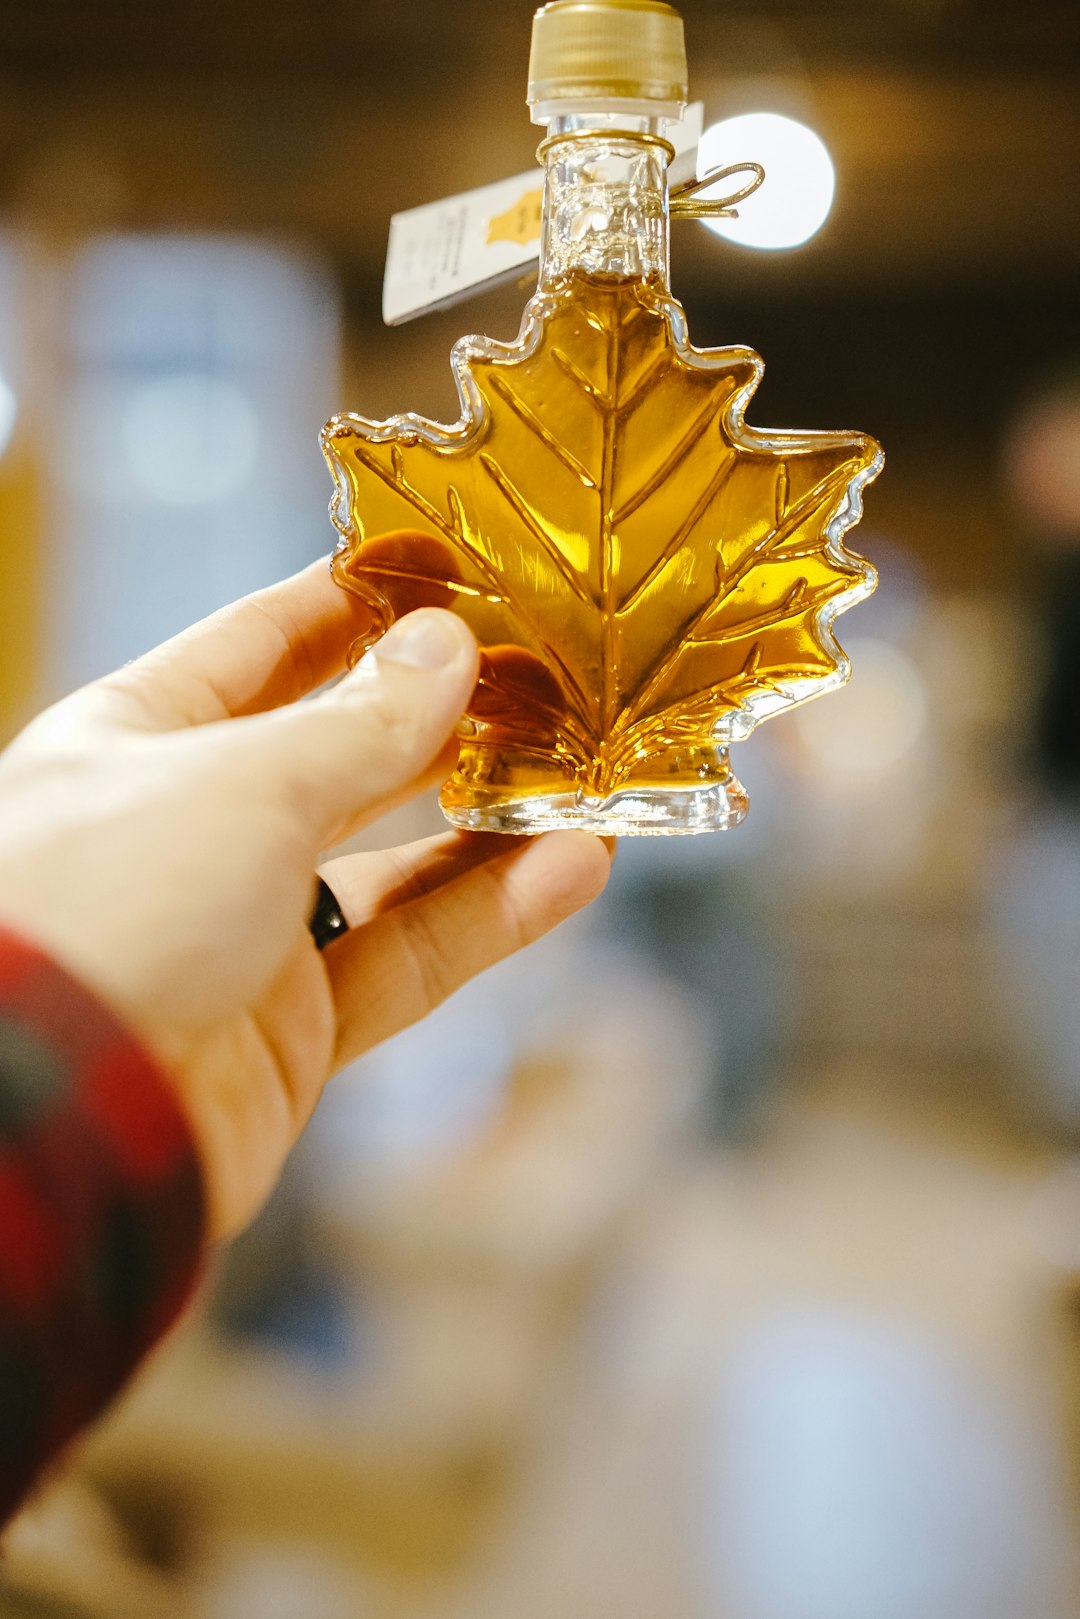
686,203
686,200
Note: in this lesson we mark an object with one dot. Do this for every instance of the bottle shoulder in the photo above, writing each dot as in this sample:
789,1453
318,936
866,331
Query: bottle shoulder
611,321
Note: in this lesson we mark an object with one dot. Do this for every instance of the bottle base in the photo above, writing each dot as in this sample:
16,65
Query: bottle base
652,812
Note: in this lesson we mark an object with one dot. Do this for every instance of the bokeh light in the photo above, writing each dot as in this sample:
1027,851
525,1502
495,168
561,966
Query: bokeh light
9,410
189,439
870,727
800,180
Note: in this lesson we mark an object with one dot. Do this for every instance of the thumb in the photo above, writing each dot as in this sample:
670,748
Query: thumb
345,755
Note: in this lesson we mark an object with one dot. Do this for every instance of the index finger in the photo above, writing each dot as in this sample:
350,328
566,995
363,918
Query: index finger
258,653
460,908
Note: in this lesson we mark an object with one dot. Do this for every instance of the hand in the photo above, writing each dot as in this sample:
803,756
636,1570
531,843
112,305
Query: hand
159,832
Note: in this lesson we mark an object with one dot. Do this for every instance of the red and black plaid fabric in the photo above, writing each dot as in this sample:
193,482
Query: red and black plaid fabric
101,1210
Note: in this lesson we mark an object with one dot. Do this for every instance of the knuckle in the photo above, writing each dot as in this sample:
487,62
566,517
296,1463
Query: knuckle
284,635
438,973
516,930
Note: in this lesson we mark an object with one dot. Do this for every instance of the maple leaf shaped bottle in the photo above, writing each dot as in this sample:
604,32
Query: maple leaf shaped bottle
648,577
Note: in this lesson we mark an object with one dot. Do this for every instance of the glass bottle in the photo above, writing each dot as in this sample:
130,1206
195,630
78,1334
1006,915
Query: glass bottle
648,576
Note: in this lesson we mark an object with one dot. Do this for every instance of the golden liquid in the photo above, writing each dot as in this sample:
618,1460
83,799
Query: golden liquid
647,576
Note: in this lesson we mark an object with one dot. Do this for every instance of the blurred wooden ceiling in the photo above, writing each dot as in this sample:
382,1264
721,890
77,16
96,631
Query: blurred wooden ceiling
79,37
955,124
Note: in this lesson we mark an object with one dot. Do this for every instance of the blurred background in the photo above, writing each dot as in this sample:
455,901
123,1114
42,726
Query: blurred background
720,1260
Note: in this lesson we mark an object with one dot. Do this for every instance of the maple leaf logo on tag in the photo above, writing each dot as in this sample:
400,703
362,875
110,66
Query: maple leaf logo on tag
649,577
521,223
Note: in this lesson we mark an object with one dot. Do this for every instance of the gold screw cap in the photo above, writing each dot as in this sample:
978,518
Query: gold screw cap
608,50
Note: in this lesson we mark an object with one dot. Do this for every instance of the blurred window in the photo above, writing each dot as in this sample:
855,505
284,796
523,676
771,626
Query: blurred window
196,372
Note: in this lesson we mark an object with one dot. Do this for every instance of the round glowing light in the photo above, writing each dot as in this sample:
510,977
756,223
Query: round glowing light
189,439
9,409
868,729
800,180
1042,460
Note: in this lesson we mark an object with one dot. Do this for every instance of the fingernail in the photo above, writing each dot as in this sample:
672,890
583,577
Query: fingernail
422,640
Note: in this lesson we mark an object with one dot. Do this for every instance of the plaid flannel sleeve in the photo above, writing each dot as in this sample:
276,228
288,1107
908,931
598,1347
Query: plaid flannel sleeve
101,1210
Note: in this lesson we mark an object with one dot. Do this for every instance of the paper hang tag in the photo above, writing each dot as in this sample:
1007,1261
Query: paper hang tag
447,251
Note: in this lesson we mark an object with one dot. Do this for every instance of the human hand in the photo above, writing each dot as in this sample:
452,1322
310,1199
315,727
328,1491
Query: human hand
159,833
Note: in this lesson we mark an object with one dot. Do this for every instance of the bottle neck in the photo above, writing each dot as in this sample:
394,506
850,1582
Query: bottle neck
605,199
